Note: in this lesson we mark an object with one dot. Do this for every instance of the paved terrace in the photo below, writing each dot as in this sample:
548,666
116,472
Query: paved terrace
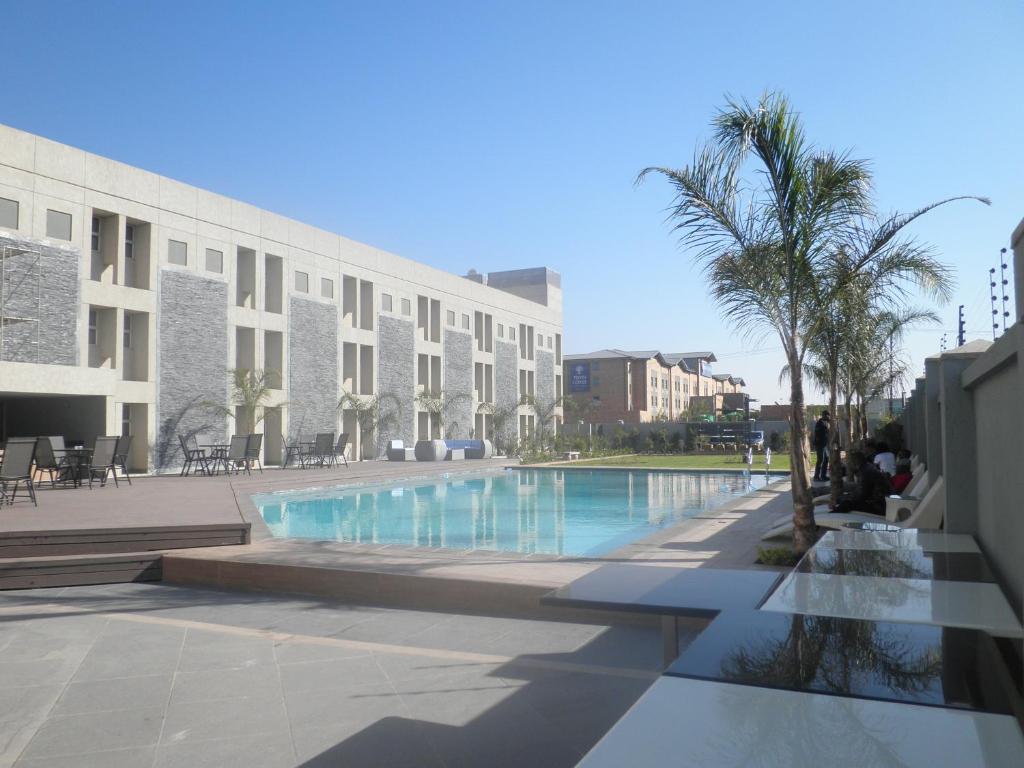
144,676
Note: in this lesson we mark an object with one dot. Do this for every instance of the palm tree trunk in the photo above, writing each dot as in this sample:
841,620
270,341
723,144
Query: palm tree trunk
803,502
834,445
848,421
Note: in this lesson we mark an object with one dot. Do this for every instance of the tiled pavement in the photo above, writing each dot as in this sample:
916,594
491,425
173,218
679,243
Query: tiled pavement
155,675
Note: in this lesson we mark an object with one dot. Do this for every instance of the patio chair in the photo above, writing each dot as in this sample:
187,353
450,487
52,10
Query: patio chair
292,450
124,445
339,450
195,457
16,468
237,457
101,462
321,452
49,459
252,451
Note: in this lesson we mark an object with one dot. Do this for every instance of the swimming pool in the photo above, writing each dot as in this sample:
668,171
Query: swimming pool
544,511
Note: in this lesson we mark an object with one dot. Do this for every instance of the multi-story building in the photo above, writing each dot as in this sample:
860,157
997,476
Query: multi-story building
641,386
128,298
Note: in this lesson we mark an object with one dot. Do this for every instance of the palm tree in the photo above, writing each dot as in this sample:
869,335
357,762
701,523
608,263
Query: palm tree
766,242
544,411
503,420
440,405
250,394
374,414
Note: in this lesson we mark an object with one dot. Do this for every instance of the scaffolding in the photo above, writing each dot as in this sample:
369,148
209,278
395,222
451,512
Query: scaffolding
21,291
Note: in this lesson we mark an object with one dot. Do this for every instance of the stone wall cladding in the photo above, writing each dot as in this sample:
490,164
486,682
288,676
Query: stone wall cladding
192,369
544,386
458,382
42,286
312,368
396,371
506,383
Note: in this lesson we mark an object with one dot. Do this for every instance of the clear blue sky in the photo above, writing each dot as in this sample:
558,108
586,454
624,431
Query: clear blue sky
470,135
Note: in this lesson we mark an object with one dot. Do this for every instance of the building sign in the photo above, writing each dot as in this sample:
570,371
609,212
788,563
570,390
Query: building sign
705,368
579,377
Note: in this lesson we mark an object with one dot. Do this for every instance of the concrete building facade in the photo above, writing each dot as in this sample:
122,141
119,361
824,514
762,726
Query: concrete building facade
637,387
127,298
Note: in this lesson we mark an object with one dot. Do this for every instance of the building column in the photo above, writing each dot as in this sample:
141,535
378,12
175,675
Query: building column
958,444
933,416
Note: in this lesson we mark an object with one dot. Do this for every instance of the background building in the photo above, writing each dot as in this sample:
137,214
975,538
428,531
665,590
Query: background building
127,298
613,385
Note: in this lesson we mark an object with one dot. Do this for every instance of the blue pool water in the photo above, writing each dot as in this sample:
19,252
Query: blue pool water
547,511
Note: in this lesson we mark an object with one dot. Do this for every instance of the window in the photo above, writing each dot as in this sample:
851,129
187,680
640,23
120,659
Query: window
127,335
302,282
177,252
214,261
58,225
129,241
126,419
595,380
501,331
465,322
95,234
511,333
327,287
540,340
92,327
387,304
596,365
406,307
8,213
549,342
450,318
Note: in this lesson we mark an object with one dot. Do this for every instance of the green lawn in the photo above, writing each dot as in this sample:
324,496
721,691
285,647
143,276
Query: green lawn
780,461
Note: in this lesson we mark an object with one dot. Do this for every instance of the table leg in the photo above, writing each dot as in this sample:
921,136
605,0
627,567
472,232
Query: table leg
669,639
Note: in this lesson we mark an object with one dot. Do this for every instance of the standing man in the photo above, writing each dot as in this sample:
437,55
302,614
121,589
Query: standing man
821,446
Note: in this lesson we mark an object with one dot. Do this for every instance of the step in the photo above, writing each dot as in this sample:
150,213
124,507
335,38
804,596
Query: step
79,570
86,541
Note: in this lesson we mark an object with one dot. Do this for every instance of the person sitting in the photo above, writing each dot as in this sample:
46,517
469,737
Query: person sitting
868,495
885,459
902,478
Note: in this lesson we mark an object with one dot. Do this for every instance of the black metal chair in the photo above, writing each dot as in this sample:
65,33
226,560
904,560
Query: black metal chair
101,462
292,451
323,449
237,457
16,468
194,456
252,451
124,445
52,460
339,450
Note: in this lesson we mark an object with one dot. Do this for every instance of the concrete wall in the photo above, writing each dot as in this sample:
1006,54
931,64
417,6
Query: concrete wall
396,376
192,369
458,380
313,367
995,383
41,285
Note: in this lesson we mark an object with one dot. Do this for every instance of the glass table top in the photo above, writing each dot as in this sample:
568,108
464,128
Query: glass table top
909,538
915,663
898,563
972,605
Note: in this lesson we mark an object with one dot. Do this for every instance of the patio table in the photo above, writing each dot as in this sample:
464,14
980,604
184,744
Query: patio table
891,661
667,592
907,538
681,721
968,604
76,457
906,563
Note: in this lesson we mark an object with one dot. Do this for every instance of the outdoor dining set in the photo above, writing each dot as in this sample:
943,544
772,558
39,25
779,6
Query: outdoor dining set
30,461
242,453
